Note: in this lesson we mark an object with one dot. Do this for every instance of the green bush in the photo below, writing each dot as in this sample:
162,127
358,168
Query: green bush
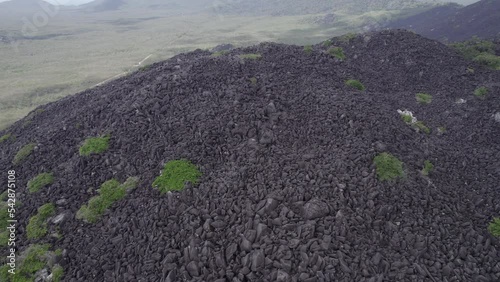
327,43
40,181
348,37
337,52
110,192
23,153
308,49
33,259
355,84
57,273
95,145
420,125
407,118
424,98
5,137
175,174
251,56
494,227
481,92
37,226
428,167
488,60
480,51
388,167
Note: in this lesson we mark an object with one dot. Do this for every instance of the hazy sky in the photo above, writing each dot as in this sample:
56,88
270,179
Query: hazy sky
63,2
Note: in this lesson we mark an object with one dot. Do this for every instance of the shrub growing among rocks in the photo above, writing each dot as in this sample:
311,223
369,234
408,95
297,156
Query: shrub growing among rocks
428,167
337,52
37,226
355,84
424,98
388,167
308,49
494,227
95,145
251,56
175,174
5,137
40,181
23,153
481,92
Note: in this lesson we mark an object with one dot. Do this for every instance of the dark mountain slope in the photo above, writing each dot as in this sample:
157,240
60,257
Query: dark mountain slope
454,23
294,138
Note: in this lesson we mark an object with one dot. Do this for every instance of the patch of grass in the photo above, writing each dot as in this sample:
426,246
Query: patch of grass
40,181
480,51
95,145
251,56
327,43
347,37
388,167
218,54
175,174
37,226
33,259
420,125
494,227
308,49
110,192
481,92
428,167
57,273
489,60
407,118
23,153
253,80
355,84
337,52
423,98
5,137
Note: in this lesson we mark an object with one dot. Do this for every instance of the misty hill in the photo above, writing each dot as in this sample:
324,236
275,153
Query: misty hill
293,163
455,23
19,8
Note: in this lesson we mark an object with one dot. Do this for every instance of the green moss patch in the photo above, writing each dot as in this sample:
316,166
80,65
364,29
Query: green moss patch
32,260
218,54
5,137
175,174
337,52
251,56
428,167
95,145
23,153
40,181
37,226
494,227
110,192
420,125
481,92
308,49
388,167
355,84
423,98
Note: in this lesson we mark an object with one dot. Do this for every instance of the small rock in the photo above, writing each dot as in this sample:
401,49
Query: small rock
193,269
315,208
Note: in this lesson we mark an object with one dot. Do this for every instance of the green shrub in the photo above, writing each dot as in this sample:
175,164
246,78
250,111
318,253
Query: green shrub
23,153
407,118
494,227
5,137
327,43
424,98
218,54
40,181
388,167
420,125
37,226
251,56
175,174
481,51
95,145
428,167
348,37
355,84
337,52
57,273
308,49
481,92
489,60
33,259
110,192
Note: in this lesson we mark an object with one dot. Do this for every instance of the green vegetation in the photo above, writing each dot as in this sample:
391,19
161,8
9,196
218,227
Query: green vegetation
428,167
327,43
494,227
32,260
251,56
355,84
420,125
40,181
253,80
481,92
337,52
347,37
308,49
5,137
37,226
175,174
23,153
424,98
388,167
481,51
407,118
95,145
4,216
145,67
220,53
110,192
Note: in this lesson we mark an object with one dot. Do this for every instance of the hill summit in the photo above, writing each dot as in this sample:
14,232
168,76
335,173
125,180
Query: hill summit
372,157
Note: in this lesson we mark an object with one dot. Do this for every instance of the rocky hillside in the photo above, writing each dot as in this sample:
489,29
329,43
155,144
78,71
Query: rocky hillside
456,23
294,166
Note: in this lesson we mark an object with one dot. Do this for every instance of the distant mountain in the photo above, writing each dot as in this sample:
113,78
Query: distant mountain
453,22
